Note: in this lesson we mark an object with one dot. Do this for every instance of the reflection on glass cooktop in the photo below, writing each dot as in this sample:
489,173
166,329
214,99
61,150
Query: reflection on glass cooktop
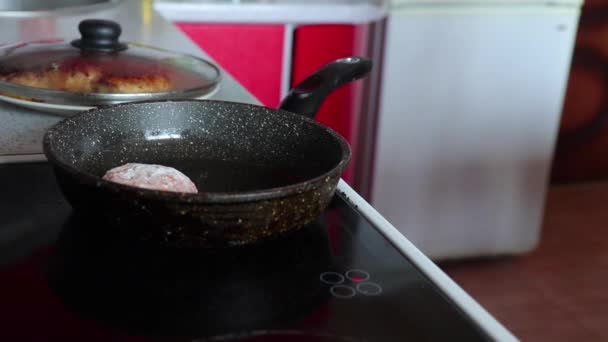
68,277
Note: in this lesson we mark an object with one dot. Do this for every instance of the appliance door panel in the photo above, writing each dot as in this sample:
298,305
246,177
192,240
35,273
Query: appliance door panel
470,107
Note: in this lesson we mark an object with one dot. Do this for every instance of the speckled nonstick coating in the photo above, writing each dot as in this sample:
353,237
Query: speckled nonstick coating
84,147
260,172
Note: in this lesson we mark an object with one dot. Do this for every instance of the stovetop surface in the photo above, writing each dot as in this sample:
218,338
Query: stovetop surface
72,278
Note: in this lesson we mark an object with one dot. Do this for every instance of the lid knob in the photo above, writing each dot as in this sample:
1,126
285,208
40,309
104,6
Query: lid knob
99,35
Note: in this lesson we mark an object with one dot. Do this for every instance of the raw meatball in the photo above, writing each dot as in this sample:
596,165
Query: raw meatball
149,176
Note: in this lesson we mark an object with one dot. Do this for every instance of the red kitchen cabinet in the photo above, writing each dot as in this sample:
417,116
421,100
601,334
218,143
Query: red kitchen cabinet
316,45
253,54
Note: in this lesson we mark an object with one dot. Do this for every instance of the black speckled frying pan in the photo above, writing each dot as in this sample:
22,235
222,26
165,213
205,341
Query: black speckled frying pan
260,172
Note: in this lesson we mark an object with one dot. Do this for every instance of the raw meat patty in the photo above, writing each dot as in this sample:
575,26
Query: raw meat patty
150,176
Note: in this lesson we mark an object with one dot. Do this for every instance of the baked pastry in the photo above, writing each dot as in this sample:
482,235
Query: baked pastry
80,76
134,84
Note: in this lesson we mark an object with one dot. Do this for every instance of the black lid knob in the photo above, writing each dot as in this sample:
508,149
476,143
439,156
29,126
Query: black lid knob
99,35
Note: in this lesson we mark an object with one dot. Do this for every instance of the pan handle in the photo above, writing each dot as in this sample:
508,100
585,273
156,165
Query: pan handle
308,95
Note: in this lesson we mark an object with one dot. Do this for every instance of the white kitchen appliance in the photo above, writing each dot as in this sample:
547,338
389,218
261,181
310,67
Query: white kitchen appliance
470,105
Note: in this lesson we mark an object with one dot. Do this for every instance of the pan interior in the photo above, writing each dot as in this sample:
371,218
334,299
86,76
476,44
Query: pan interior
221,146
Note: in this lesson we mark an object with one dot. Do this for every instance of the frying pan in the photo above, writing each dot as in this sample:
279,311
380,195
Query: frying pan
260,172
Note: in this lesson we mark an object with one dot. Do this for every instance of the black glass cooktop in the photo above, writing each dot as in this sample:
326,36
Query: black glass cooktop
64,277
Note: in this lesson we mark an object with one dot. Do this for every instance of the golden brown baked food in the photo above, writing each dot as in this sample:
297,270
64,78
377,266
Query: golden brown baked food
84,77
81,80
134,84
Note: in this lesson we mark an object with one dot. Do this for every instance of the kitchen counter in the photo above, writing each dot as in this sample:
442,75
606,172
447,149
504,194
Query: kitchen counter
21,130
558,291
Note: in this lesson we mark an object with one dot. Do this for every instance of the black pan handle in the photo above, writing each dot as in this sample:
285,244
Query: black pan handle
307,97
99,35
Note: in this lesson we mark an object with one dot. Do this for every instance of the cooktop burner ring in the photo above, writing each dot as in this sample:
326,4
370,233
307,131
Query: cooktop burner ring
357,275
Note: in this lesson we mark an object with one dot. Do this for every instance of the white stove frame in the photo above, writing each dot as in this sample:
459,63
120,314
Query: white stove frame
463,300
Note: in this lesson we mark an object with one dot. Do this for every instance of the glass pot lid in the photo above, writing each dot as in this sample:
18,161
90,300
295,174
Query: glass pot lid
99,69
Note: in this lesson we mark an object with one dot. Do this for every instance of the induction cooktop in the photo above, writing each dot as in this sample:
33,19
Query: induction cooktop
69,277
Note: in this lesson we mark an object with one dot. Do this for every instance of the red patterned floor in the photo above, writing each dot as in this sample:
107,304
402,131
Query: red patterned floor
559,292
